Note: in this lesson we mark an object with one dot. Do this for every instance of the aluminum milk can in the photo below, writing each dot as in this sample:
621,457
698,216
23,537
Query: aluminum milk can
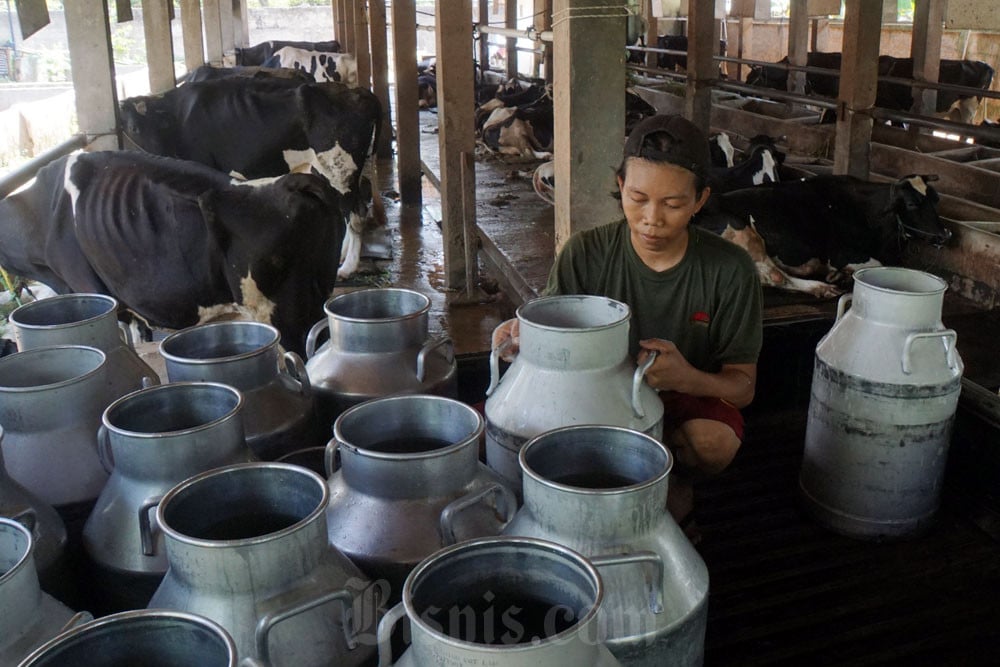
409,483
145,637
28,617
84,319
46,526
51,401
157,438
885,387
279,413
378,346
247,547
602,491
573,368
503,602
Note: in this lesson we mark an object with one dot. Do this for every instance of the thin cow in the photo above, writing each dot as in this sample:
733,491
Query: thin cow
320,65
269,127
175,241
258,53
810,235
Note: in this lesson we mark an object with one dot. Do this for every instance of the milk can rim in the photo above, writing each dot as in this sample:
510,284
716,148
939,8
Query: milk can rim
319,511
860,273
519,313
28,552
36,351
34,305
141,614
505,540
171,387
201,361
620,490
423,310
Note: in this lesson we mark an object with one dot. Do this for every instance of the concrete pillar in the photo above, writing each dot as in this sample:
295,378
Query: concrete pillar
589,101
194,52
404,50
159,45
798,43
510,21
925,49
456,136
92,62
362,49
858,80
380,75
213,31
702,70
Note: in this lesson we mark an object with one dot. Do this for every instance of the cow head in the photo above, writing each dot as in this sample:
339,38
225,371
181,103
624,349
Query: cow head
148,125
284,254
914,203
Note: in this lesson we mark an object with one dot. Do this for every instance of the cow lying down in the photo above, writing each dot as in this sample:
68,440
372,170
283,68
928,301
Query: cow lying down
810,235
175,241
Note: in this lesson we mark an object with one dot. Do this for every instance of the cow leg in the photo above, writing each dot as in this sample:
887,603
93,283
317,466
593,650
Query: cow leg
769,272
350,251
814,267
845,274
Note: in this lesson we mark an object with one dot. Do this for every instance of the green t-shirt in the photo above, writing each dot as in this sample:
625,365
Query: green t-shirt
709,304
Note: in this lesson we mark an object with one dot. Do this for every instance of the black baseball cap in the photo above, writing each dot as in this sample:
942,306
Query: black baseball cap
686,145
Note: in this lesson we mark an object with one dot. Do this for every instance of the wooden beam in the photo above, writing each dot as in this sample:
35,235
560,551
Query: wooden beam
510,21
456,135
589,101
483,18
347,44
92,63
925,49
213,31
194,52
159,45
858,81
362,51
241,23
404,50
798,43
702,71
226,29
380,75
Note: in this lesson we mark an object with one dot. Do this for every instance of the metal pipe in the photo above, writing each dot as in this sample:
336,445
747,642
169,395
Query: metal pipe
18,177
527,33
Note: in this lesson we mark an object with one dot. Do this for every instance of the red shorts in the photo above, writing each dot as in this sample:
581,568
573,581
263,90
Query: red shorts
679,408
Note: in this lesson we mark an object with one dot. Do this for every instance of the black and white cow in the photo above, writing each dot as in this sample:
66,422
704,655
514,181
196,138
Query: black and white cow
258,53
211,72
760,165
175,241
810,235
320,65
260,128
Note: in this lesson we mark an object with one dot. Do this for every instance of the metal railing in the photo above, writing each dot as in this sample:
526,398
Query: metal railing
21,175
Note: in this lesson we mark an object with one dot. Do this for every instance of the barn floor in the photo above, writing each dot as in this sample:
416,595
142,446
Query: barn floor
784,590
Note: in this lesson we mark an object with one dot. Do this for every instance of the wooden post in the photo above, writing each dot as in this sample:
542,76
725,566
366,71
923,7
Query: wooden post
456,133
362,52
241,23
92,62
925,48
652,32
159,45
858,80
702,70
226,29
542,22
798,43
483,17
338,21
589,101
546,24
510,21
404,51
743,36
213,31
194,52
347,44
380,75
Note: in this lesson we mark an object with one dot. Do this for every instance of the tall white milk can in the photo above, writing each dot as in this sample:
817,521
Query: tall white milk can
573,368
885,387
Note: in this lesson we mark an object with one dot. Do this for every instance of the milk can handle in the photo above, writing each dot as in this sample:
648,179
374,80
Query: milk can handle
506,504
146,526
313,334
842,305
637,385
29,520
126,335
79,618
950,338
272,618
296,370
429,347
656,587
495,364
104,454
384,633
330,456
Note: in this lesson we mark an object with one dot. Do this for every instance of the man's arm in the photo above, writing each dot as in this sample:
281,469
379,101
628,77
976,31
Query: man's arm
734,383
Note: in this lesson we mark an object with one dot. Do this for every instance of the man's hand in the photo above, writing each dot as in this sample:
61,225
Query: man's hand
670,371
507,340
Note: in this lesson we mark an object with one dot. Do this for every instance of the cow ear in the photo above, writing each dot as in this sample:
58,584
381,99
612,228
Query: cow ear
312,186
